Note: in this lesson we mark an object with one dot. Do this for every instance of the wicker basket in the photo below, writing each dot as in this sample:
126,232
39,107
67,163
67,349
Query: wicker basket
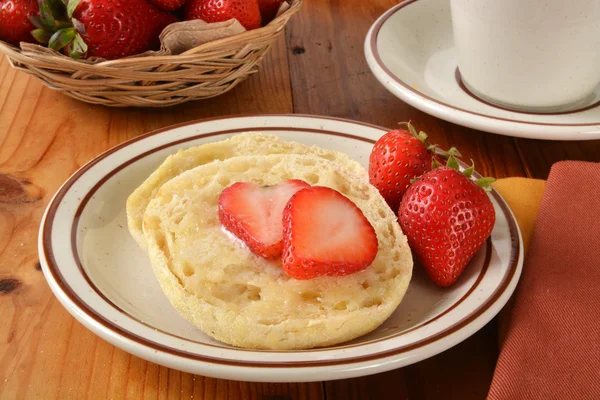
205,71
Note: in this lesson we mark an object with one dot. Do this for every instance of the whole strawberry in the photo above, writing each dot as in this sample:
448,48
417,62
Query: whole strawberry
245,11
15,26
397,158
268,9
168,5
108,29
447,217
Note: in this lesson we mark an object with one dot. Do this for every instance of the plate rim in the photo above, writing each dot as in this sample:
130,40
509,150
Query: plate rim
51,268
450,112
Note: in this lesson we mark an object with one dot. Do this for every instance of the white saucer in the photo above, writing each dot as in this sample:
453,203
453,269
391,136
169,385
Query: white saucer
105,280
410,49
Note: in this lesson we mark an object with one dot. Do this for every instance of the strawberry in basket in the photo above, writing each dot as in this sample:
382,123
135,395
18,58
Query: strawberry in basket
108,29
168,5
268,9
15,26
246,12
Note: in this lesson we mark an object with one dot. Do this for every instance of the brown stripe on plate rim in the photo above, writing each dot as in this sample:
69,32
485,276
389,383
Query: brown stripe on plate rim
93,190
52,266
375,50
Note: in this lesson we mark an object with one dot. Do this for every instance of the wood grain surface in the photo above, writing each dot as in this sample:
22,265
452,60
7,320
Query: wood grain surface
318,68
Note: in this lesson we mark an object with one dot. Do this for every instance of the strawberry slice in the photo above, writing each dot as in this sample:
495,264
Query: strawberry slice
253,213
325,233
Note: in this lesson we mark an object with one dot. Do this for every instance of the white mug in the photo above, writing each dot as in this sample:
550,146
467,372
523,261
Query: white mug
530,55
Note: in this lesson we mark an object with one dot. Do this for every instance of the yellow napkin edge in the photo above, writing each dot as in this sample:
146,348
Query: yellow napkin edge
523,196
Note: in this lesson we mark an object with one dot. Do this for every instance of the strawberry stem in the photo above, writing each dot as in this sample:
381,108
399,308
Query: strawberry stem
453,151
449,155
410,128
432,148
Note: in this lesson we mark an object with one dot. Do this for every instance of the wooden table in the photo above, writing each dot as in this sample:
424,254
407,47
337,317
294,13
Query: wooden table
318,68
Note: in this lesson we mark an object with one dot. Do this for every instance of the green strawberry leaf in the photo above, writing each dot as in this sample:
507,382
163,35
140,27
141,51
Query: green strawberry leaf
41,35
435,163
47,17
61,38
452,163
71,6
72,52
469,171
36,21
78,48
63,24
485,183
57,7
78,25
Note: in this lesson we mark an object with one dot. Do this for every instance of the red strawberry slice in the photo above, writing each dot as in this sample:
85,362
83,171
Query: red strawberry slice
253,213
325,233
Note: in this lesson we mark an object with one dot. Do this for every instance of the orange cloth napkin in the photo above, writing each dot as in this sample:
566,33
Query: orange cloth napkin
552,346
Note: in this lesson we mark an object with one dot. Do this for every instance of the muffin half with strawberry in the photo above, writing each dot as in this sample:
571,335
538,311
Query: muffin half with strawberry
277,251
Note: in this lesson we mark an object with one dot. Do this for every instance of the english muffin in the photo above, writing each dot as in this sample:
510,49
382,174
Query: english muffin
238,298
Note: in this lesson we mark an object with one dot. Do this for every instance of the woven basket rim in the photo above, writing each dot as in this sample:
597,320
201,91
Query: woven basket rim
258,32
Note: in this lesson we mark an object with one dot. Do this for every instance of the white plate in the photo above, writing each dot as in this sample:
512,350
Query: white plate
105,281
410,49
